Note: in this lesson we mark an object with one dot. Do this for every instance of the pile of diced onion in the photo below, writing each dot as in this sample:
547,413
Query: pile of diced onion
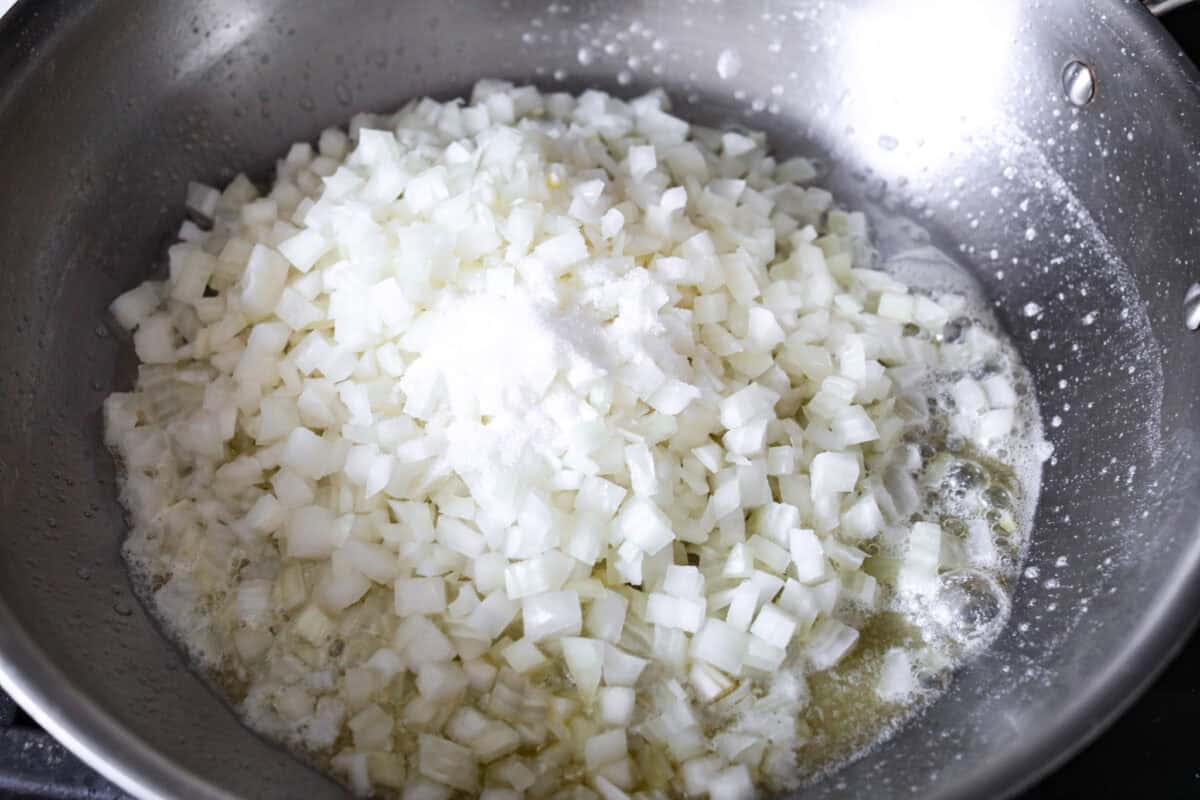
528,446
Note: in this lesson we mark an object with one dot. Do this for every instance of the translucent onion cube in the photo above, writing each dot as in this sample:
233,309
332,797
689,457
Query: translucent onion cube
768,553
605,617
493,615
585,662
720,644
709,683
675,612
263,281
862,520
420,596
137,305
446,762
808,555
615,705
896,680
419,641
683,581
551,615
304,249
733,783
828,643
763,656
742,605
605,748
622,668
698,774
919,571
311,533
524,656
747,404
833,472
774,626
645,525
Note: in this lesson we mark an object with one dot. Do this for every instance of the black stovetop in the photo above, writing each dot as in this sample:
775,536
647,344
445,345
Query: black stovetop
33,765
1151,752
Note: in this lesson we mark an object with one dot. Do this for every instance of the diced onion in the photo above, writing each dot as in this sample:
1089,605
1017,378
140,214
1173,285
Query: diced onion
535,446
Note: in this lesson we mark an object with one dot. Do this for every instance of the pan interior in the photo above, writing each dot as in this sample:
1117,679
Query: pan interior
947,121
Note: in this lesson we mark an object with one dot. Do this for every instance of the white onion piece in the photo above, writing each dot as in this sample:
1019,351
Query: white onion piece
896,679
919,571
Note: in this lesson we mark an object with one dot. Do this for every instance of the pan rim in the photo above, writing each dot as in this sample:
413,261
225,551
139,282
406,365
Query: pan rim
99,739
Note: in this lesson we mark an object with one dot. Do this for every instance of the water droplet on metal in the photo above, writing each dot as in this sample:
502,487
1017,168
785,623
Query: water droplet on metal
729,64
1079,83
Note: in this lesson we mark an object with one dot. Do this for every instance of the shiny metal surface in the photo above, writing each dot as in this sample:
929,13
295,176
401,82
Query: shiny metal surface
1079,83
1160,7
947,113
1191,307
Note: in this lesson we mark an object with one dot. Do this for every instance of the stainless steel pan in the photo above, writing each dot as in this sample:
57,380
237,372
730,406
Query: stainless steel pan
953,114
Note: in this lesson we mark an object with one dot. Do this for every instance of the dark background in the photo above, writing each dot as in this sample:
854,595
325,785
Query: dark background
1152,751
